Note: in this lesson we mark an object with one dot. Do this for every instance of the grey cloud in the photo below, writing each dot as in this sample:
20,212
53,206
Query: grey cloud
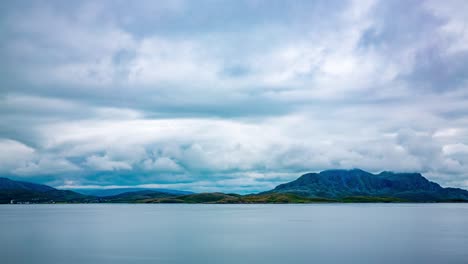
237,95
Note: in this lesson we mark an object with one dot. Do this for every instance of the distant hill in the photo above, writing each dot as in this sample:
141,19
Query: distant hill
352,184
232,198
7,184
12,191
136,196
117,191
21,192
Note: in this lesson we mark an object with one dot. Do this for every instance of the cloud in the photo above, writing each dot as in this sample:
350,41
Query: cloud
455,149
454,24
13,154
45,165
231,96
20,159
104,163
161,164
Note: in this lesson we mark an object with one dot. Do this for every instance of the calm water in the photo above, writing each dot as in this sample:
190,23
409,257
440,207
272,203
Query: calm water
338,233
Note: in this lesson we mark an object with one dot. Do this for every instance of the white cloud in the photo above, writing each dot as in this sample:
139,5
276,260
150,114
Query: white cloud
453,149
454,24
13,154
161,164
20,159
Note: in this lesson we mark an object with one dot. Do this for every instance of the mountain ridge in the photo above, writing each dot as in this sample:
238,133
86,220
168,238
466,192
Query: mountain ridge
336,185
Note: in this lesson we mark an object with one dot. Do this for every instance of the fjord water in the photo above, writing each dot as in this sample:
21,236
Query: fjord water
182,233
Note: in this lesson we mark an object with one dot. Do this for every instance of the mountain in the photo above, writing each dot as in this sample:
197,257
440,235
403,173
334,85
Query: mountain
22,192
7,184
117,191
357,184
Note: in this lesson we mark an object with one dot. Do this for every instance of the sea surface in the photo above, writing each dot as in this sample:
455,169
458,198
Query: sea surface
182,233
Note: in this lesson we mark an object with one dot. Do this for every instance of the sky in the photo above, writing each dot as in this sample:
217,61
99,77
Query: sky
233,96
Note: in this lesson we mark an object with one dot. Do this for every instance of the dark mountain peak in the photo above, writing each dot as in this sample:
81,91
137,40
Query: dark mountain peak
357,182
4,180
354,170
387,173
8,184
313,176
342,172
405,174
309,175
410,180
12,191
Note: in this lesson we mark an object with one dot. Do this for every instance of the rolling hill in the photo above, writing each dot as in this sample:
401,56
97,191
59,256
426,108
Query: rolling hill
26,192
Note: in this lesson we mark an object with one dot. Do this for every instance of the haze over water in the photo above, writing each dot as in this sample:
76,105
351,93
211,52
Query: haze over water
317,233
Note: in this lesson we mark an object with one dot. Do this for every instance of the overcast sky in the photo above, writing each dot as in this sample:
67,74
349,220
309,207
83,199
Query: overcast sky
233,96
